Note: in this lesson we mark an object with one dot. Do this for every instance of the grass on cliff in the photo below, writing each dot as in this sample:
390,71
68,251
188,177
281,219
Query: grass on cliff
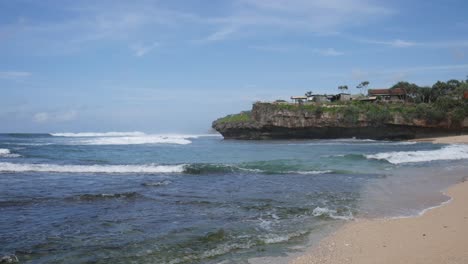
236,118
380,113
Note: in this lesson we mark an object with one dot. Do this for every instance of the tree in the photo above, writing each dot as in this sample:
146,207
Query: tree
363,85
309,94
343,87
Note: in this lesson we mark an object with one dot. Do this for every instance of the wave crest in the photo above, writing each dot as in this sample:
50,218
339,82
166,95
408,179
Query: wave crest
194,169
6,153
149,169
451,152
128,138
98,134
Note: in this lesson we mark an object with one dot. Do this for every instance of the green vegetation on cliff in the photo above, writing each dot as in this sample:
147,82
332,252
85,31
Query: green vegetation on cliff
245,116
381,112
443,102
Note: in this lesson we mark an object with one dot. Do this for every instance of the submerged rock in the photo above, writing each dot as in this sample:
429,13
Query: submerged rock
9,259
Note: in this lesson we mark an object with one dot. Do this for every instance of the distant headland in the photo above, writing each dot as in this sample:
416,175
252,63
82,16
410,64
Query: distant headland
404,111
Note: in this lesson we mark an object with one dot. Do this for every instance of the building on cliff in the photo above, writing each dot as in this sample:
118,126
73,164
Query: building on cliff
395,94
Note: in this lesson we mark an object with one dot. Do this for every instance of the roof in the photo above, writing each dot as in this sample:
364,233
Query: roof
298,97
394,91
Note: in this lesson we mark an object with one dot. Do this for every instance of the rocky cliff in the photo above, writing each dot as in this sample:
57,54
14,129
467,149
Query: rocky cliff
287,121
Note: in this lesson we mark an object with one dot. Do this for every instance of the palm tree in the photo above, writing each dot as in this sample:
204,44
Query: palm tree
343,87
309,94
363,85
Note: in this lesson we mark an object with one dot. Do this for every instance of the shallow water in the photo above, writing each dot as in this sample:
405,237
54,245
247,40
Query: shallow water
118,198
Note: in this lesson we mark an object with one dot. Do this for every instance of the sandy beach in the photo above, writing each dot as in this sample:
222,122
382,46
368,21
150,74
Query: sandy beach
446,140
439,235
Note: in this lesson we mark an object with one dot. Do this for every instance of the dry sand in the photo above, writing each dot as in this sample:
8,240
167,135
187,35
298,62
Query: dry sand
446,140
439,236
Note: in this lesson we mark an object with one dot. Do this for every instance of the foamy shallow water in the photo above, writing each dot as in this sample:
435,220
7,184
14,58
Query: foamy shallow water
116,197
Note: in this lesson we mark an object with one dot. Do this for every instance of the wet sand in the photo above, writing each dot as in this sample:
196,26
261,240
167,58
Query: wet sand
440,235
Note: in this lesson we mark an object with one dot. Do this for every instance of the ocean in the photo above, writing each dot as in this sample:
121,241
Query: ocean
148,198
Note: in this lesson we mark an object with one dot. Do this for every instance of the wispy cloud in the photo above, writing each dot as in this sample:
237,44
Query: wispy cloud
43,117
140,50
14,74
399,43
130,22
218,35
328,52
316,16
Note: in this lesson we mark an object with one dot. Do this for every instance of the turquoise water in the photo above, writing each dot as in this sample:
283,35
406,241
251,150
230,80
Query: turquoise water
135,197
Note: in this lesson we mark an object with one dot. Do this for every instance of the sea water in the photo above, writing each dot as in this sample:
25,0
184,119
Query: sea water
145,198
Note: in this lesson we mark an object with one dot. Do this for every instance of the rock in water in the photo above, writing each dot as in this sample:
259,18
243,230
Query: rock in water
9,259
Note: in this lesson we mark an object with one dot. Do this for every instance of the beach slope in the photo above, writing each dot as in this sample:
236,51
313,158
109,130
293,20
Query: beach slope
440,235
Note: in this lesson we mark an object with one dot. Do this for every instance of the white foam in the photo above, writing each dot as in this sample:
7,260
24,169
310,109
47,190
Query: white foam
5,153
276,238
319,211
151,168
135,140
312,172
129,138
98,134
451,152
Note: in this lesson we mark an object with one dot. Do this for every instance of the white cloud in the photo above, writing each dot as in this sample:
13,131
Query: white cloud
313,15
220,34
65,116
140,50
43,117
328,52
132,21
399,43
14,74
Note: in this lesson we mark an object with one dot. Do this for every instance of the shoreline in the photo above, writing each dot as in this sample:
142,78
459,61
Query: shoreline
439,234
462,139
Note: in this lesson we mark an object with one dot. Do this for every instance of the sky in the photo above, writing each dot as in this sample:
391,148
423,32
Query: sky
174,66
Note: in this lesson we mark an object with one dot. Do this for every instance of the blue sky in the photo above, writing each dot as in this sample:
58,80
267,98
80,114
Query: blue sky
174,66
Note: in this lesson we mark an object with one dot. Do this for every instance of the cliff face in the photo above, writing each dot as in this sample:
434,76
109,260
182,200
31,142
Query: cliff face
273,121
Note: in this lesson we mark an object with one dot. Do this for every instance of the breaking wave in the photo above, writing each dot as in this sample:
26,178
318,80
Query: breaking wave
451,152
5,153
195,169
97,134
128,138
150,169
136,140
